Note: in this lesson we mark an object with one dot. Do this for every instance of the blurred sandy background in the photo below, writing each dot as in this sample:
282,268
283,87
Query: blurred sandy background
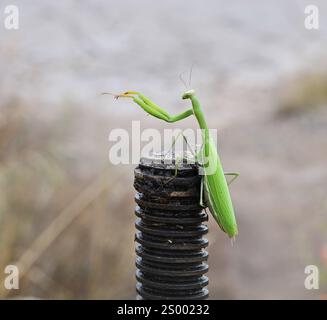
66,213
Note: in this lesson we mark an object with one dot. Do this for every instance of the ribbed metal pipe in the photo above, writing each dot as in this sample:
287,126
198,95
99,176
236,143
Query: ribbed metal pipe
170,255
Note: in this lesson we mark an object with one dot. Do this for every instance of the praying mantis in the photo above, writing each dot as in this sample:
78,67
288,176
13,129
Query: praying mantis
214,186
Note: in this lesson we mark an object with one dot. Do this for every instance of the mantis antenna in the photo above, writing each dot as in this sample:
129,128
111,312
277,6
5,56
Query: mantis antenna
187,86
182,80
190,76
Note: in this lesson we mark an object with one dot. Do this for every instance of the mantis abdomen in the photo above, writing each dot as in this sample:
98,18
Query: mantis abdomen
216,193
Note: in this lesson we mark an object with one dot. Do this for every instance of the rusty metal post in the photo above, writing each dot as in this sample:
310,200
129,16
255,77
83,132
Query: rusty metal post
170,255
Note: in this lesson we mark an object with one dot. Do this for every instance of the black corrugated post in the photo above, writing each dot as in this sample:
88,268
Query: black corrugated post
170,255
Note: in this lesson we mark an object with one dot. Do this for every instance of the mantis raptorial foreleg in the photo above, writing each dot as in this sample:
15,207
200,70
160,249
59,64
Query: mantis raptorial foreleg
152,108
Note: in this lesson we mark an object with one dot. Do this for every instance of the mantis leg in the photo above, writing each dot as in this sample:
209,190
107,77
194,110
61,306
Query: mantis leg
179,159
202,204
174,142
227,173
234,174
202,193
151,108
177,162
185,139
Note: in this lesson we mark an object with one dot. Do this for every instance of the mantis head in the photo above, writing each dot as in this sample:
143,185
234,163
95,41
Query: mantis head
188,94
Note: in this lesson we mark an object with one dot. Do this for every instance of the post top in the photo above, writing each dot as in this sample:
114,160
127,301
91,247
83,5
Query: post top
163,160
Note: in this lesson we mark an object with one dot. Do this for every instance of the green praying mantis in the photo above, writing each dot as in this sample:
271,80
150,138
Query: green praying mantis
214,186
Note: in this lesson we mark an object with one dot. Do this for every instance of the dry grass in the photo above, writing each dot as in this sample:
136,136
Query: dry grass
57,221
303,93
